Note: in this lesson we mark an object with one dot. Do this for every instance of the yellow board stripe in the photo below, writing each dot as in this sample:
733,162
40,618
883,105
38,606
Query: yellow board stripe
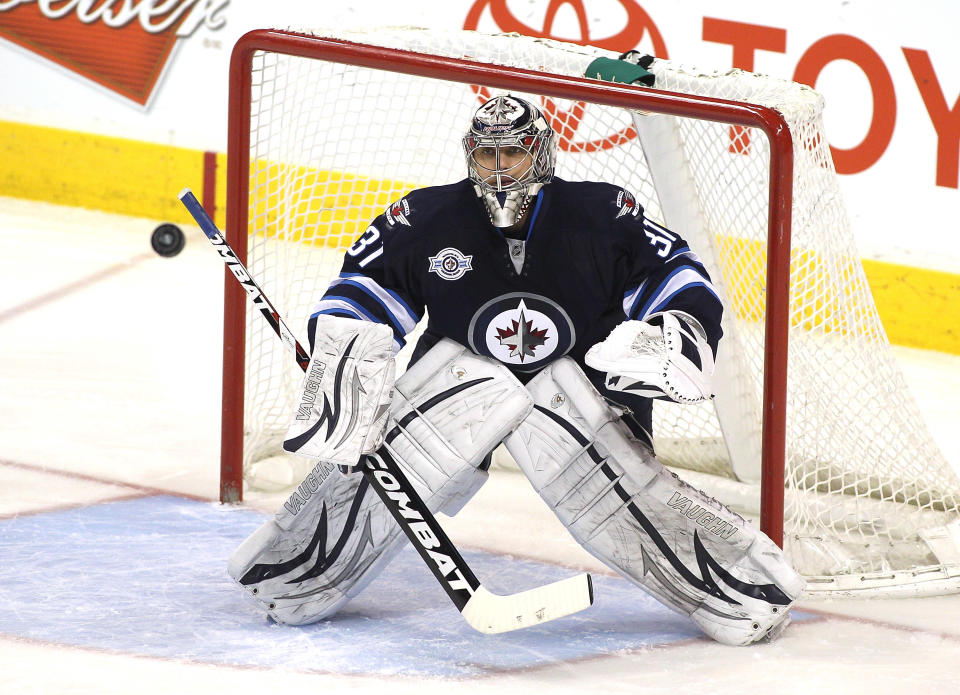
98,172
330,208
918,307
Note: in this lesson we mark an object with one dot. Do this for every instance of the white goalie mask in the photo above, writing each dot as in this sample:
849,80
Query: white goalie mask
511,152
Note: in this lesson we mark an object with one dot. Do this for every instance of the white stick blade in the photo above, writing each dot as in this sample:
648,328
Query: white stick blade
490,613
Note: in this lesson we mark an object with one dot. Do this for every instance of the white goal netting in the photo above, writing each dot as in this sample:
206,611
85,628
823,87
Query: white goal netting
870,501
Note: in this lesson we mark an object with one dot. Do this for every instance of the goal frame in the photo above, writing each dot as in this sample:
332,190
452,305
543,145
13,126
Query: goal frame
780,203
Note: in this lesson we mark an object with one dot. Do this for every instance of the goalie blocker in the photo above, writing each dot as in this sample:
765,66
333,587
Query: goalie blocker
345,397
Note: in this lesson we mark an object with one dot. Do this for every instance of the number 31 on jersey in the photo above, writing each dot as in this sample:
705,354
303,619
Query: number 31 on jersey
659,237
368,239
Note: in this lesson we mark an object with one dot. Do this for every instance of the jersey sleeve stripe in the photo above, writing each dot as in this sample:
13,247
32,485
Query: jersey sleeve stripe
686,253
406,307
680,279
341,306
630,298
407,319
665,303
331,301
361,296
682,258
689,257
339,311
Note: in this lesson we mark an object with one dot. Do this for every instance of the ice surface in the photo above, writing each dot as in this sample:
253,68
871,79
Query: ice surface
147,576
112,551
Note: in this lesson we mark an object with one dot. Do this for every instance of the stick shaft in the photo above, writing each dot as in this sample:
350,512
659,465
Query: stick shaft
243,276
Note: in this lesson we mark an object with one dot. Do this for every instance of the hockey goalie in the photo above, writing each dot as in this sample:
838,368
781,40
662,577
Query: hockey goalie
557,312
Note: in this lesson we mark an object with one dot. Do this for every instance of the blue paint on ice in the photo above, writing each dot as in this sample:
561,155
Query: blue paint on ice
148,576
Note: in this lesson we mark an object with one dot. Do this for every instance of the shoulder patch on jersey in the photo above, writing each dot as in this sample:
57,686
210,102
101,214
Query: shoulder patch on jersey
450,264
627,204
398,212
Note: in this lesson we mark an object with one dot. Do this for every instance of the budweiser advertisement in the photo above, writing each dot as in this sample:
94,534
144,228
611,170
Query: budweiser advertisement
122,45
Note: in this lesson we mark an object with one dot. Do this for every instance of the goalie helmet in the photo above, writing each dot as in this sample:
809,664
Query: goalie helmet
511,152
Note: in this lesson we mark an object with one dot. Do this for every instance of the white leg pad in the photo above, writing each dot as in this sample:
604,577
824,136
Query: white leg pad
618,501
333,535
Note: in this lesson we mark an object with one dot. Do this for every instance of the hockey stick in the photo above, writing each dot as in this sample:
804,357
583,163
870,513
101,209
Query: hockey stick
483,610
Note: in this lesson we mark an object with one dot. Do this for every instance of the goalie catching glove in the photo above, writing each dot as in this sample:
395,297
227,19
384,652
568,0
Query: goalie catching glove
666,356
345,398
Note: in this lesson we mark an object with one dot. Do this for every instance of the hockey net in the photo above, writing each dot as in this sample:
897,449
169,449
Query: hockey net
319,147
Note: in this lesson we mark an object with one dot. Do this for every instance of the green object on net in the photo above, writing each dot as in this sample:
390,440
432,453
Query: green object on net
612,70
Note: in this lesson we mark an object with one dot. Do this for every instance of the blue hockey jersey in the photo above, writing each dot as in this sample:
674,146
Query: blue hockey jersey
587,260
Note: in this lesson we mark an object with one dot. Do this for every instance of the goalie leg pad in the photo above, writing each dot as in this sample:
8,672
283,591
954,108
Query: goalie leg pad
325,544
334,535
622,506
451,409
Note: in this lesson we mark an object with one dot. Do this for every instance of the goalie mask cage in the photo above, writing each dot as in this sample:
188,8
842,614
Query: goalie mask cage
326,130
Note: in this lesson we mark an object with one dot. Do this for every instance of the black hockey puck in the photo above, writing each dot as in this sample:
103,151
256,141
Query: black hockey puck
168,240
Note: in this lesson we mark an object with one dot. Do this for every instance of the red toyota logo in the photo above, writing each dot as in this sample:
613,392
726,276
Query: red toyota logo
565,123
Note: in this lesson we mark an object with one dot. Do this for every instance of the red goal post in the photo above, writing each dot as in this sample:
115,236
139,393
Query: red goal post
767,120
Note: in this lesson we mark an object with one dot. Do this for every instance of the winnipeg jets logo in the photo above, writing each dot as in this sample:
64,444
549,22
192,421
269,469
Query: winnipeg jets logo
450,264
521,338
524,331
499,114
627,204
